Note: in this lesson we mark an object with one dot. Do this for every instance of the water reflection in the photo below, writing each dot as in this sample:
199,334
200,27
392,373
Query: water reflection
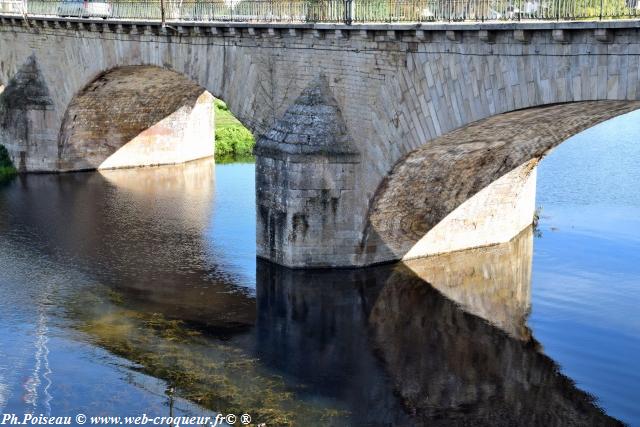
440,364
120,261
136,228
493,283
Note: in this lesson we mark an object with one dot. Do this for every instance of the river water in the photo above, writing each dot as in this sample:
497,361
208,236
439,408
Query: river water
138,291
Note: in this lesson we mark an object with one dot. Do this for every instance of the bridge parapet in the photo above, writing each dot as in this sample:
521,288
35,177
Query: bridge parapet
518,31
343,11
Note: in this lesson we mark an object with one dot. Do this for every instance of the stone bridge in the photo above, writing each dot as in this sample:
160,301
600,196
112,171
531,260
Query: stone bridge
375,142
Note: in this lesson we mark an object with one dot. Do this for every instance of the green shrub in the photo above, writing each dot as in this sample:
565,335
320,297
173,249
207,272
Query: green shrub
6,167
220,105
233,141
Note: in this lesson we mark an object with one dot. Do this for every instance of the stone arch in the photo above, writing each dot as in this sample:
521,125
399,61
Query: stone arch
136,116
474,186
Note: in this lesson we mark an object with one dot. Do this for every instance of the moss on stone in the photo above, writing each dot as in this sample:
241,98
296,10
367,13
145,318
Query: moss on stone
7,170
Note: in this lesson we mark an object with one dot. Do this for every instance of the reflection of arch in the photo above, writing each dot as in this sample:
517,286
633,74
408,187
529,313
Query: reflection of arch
453,368
473,186
129,231
443,364
134,116
493,282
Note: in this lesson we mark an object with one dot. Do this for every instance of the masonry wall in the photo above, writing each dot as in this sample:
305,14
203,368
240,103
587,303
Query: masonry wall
397,87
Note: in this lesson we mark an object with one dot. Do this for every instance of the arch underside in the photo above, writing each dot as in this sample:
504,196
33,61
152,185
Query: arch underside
492,160
136,116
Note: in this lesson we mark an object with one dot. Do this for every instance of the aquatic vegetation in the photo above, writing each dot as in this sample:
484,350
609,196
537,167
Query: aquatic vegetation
536,222
207,371
7,170
234,142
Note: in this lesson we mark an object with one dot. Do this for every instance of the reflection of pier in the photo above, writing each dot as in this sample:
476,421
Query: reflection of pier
493,283
446,363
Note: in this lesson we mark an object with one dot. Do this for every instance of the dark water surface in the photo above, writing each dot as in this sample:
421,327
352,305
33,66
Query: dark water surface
137,291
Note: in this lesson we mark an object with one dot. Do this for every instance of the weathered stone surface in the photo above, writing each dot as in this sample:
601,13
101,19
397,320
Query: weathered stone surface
305,181
26,90
313,125
493,215
395,95
25,103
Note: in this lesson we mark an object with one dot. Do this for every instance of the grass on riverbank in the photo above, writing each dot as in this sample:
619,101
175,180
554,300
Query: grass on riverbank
7,170
234,142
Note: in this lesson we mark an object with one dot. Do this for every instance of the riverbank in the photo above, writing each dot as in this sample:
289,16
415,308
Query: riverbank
7,170
234,142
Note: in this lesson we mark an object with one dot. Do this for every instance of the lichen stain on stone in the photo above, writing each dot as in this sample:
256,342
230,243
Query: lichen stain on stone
324,199
300,225
335,201
26,90
274,225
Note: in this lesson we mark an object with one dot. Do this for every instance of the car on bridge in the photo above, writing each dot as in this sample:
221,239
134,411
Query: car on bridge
84,9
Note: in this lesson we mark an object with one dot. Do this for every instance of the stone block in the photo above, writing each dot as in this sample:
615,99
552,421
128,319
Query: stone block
603,35
522,36
453,35
487,36
561,36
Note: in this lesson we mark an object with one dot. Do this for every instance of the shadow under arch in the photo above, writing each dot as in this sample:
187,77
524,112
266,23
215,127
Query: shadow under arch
474,186
136,116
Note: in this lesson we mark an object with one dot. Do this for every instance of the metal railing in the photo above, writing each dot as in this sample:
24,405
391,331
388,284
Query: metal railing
311,11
